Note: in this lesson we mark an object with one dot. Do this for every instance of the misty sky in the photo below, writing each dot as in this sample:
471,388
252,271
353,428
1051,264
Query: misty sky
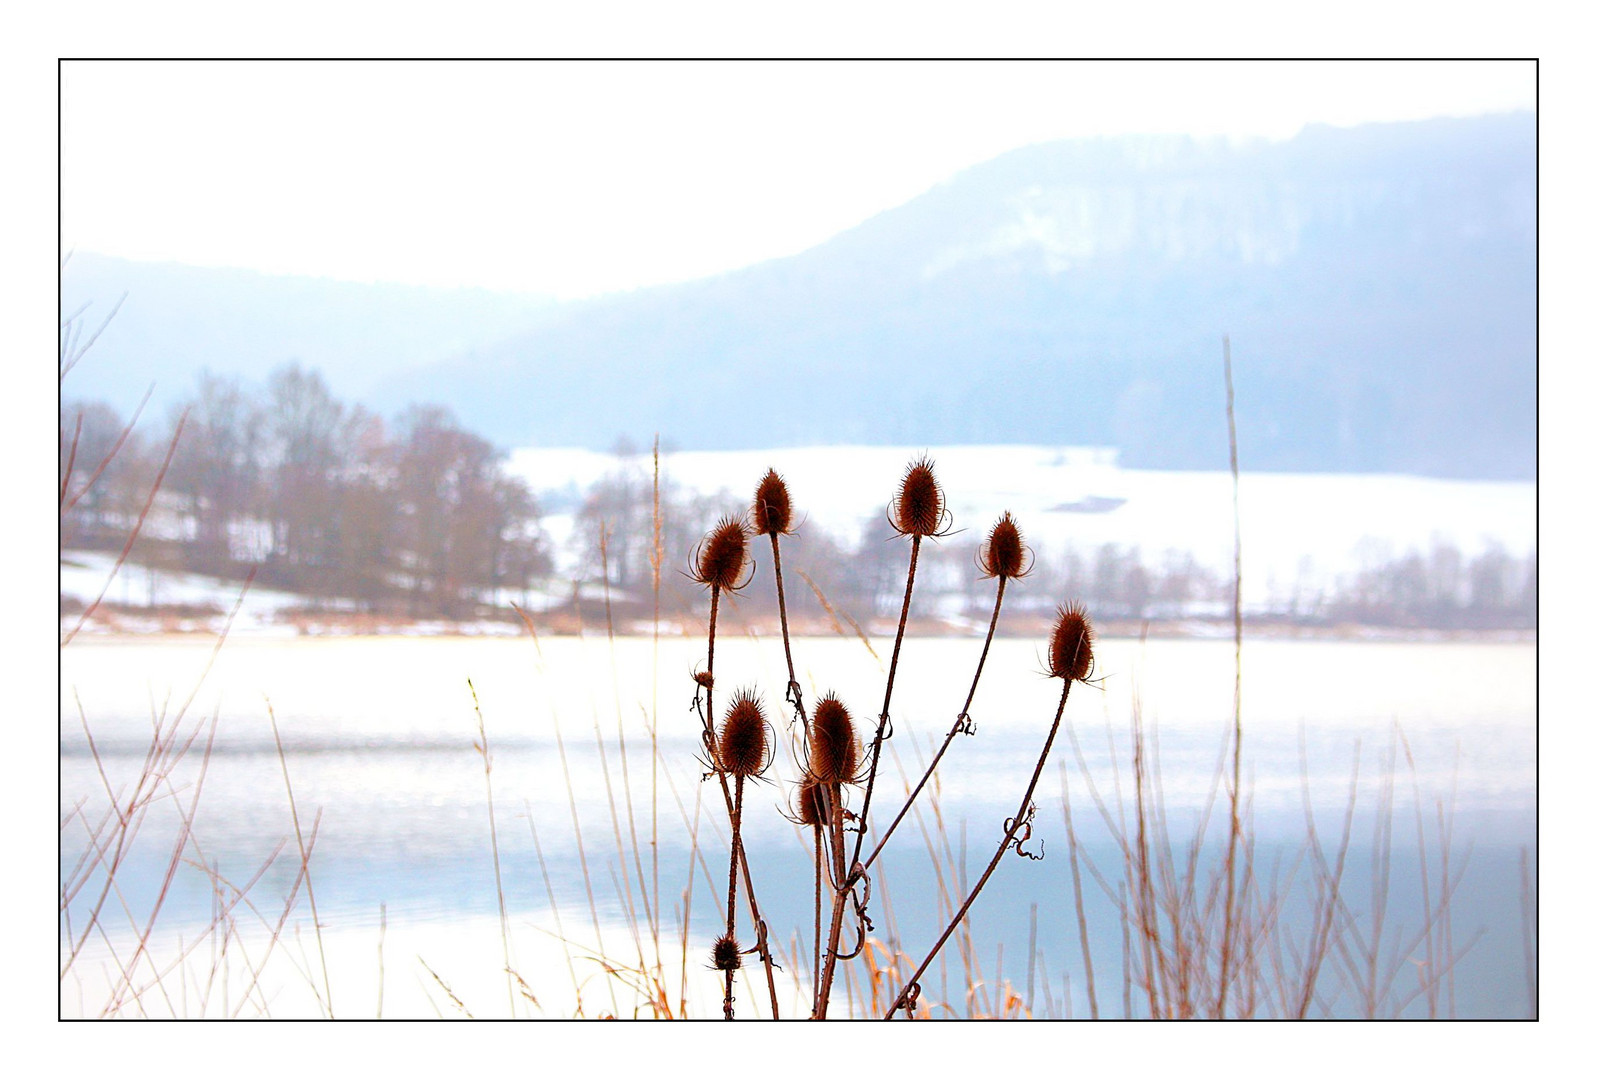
578,178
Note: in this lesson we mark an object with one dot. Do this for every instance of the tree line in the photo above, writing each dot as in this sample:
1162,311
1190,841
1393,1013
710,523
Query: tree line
415,515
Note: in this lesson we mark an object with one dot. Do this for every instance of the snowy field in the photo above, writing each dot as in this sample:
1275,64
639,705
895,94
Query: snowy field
1306,527
1298,530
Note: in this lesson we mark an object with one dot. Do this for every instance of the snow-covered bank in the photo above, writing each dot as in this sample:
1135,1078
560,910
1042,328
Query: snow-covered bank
1303,535
1297,528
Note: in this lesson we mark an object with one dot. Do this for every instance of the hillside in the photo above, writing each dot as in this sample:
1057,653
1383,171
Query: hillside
1378,284
180,319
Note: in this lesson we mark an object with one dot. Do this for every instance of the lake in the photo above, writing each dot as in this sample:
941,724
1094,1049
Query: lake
379,742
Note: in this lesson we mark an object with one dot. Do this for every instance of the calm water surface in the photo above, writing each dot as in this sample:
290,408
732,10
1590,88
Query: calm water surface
379,737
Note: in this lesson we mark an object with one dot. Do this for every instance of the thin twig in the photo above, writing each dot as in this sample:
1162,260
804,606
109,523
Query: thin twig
1236,696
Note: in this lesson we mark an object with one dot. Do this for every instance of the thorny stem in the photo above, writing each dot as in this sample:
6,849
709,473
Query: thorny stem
731,808
795,694
959,725
840,887
1016,824
815,968
732,886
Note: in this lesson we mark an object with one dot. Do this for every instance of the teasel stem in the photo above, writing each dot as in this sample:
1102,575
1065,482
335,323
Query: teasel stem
849,875
1015,825
815,968
887,700
732,808
795,693
840,889
958,726
732,882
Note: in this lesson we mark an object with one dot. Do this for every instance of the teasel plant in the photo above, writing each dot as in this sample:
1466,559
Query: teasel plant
1070,660
722,564
772,515
742,751
918,510
832,762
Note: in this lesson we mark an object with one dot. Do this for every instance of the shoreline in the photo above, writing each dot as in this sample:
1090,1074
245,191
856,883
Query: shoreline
185,624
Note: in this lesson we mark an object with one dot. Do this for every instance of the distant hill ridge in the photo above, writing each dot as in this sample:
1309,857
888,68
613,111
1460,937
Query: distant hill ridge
1378,284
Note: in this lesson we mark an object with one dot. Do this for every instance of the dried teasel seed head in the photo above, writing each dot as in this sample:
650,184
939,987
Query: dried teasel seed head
725,954
1070,646
1004,553
773,510
834,748
704,679
810,808
722,555
742,748
918,510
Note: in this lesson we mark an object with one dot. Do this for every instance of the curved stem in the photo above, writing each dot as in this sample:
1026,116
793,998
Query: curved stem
1015,825
958,726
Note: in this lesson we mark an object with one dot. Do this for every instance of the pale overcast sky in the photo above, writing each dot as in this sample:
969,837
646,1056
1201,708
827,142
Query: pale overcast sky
580,178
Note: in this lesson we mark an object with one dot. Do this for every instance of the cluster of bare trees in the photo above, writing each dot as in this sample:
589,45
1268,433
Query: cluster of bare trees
326,498
1440,588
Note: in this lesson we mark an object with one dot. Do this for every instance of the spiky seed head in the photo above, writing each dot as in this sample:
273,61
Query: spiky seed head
918,510
834,748
1070,646
811,810
773,510
1004,553
704,679
725,954
722,554
742,748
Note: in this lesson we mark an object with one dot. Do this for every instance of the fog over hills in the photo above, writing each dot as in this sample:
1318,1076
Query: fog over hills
1378,284
180,319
